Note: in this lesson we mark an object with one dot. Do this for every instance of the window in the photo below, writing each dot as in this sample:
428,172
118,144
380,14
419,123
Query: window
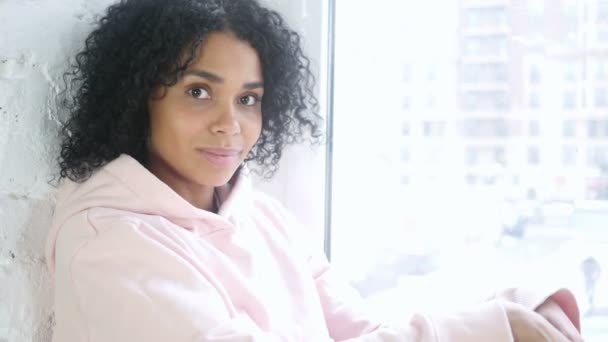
405,154
406,102
569,155
571,71
431,74
486,46
535,17
486,100
485,155
433,129
485,128
598,156
592,128
601,68
570,17
477,181
407,73
569,100
430,101
602,11
569,128
534,128
601,97
485,17
534,76
602,36
597,128
405,129
484,73
534,100
471,156
533,155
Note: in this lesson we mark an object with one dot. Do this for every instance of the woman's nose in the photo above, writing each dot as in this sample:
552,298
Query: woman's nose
227,121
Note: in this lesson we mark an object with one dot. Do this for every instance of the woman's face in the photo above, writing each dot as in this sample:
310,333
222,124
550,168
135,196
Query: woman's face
203,127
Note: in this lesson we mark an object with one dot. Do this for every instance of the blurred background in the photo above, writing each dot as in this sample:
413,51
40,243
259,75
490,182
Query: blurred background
471,151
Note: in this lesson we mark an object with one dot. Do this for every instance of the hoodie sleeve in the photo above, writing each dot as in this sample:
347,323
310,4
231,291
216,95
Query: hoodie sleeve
486,321
347,321
345,314
126,290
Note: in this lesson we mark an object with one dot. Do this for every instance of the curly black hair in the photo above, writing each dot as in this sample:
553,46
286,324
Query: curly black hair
139,45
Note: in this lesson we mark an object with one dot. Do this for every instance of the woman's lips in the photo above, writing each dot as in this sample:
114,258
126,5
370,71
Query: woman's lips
222,157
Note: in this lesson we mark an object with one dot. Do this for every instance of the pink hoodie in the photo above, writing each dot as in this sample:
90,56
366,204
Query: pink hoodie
133,261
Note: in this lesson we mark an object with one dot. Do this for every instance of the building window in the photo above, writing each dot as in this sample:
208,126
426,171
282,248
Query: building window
534,76
601,97
406,103
534,100
407,73
471,156
486,46
602,11
405,154
569,155
434,128
601,69
484,73
534,128
486,100
485,155
569,128
597,128
405,129
430,101
602,36
598,156
486,17
569,100
500,156
569,13
592,128
571,71
431,74
485,128
535,16
533,155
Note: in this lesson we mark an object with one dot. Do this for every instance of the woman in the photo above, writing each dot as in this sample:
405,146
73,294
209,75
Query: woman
157,234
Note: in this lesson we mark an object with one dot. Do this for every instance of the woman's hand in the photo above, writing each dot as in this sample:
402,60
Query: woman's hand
548,324
554,314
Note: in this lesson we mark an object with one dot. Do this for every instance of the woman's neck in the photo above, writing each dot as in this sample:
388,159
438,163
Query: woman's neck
200,196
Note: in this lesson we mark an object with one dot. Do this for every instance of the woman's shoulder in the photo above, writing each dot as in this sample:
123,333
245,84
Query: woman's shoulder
91,223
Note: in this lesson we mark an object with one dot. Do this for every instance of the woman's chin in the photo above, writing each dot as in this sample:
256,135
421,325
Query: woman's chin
216,178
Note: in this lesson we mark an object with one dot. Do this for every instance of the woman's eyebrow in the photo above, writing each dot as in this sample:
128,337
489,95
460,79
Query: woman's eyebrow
204,74
253,85
218,79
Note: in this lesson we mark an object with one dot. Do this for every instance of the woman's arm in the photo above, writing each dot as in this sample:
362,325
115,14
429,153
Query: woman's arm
487,321
347,321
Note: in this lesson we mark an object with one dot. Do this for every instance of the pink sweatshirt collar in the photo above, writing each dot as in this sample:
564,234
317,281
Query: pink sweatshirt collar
124,184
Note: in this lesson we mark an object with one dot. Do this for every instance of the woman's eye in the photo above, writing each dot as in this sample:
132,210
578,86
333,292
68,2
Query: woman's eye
249,100
198,93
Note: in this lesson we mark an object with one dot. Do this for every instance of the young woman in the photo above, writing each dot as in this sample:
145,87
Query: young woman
157,234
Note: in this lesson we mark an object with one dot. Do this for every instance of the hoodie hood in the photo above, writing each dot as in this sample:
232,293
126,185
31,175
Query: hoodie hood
124,184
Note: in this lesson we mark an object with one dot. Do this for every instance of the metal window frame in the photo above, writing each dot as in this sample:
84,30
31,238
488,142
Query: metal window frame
331,16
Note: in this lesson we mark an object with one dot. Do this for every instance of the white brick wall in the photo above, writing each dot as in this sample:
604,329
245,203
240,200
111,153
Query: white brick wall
36,38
